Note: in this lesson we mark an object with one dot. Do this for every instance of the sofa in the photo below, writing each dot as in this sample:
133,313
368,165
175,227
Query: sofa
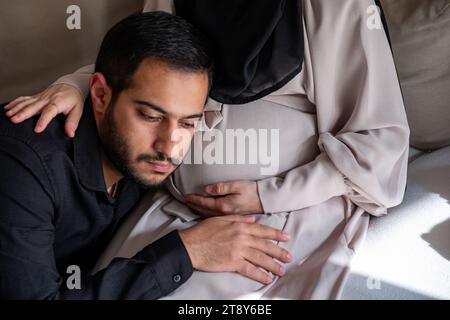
407,253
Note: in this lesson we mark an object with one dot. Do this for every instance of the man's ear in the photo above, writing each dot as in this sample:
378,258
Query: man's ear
100,93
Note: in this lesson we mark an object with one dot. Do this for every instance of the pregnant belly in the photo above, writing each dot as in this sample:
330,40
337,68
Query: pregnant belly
252,142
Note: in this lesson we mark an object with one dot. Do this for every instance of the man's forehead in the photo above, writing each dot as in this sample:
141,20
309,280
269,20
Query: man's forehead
154,65
172,92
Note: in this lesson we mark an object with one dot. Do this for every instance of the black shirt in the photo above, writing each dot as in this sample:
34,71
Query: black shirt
55,213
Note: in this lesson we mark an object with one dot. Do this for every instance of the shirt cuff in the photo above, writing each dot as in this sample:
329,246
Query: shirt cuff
79,79
302,187
171,262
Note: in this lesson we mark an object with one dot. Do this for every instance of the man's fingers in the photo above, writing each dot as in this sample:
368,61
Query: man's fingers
265,232
49,112
262,260
73,119
250,271
271,249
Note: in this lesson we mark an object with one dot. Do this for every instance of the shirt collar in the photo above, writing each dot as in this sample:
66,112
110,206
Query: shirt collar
87,151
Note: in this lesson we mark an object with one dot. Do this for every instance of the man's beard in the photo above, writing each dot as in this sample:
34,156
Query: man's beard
117,150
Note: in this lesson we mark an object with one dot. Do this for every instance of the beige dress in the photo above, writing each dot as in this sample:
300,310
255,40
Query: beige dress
343,152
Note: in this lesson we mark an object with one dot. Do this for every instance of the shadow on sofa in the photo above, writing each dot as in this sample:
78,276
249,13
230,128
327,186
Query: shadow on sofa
438,239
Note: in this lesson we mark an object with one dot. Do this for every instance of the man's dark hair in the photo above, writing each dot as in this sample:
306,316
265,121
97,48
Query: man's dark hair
160,35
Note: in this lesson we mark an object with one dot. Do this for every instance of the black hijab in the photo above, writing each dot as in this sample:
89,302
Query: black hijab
258,44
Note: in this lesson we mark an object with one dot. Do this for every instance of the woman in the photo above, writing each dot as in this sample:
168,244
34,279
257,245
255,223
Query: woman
314,72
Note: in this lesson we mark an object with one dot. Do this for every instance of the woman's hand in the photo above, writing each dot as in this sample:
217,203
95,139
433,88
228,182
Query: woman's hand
56,99
227,198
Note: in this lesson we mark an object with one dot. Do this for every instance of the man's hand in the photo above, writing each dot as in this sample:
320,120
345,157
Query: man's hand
236,244
238,197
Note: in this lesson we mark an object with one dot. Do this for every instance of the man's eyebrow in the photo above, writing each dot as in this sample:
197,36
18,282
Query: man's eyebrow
194,116
161,110
152,106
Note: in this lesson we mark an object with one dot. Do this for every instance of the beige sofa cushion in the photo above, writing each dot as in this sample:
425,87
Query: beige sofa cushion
420,31
37,47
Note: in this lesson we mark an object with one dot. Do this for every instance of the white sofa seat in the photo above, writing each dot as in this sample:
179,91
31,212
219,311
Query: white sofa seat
407,253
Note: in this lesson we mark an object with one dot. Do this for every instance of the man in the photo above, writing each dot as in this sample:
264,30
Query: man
61,200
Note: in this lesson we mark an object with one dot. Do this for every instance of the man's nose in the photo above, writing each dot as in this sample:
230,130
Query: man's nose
168,139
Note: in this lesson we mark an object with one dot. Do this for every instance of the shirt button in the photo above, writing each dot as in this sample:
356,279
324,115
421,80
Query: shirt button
176,278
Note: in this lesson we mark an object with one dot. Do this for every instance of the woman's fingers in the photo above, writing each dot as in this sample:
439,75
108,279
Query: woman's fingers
48,113
60,98
203,212
238,218
16,101
28,110
72,121
19,106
